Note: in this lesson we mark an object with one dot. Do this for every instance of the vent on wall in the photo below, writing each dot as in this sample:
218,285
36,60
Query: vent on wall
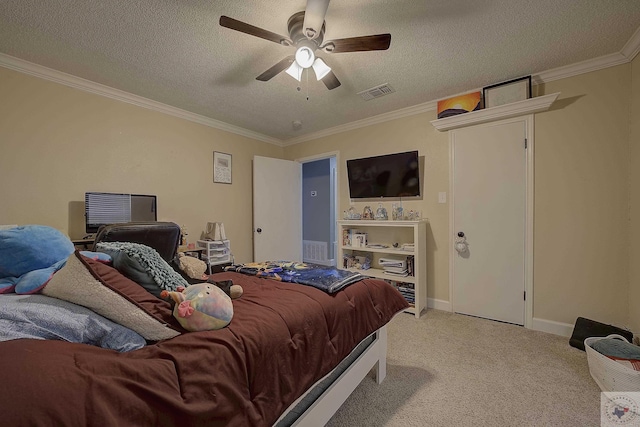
376,92
315,252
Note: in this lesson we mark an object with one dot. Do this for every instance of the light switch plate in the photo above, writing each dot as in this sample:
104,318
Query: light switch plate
442,197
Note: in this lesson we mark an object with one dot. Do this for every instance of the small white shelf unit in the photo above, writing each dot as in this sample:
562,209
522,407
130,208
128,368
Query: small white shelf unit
388,232
215,252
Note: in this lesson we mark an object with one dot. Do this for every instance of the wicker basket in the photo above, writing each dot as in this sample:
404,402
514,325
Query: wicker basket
609,374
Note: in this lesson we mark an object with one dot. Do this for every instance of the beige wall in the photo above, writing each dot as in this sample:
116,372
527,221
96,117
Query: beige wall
409,133
634,168
57,142
581,199
581,194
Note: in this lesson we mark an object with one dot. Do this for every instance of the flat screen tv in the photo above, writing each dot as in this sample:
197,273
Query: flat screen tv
391,175
110,208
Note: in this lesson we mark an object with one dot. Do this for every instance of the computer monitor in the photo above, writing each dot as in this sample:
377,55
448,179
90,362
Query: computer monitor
110,208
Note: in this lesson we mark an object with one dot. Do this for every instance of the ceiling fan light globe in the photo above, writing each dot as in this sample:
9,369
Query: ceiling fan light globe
305,57
295,71
320,68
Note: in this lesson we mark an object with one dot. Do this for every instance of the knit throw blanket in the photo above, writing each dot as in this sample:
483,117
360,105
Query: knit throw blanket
148,259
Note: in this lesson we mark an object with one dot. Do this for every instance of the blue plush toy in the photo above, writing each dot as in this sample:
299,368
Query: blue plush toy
29,256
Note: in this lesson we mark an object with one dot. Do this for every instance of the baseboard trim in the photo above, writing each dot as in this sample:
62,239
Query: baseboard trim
438,304
552,327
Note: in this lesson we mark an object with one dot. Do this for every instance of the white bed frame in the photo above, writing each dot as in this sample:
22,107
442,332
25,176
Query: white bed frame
325,406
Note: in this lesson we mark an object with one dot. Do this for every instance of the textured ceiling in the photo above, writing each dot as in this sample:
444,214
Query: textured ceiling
176,53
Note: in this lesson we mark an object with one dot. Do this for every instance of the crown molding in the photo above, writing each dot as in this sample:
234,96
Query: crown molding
55,76
627,54
632,47
380,118
580,68
506,111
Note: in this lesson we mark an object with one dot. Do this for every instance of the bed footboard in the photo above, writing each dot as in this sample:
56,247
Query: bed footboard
328,401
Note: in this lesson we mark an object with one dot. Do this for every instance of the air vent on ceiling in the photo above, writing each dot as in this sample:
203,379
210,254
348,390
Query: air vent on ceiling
376,92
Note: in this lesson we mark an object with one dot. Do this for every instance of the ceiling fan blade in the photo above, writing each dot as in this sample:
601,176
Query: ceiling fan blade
314,17
358,44
331,81
278,68
243,27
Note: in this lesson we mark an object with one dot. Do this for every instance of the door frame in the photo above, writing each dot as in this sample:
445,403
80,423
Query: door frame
528,262
336,191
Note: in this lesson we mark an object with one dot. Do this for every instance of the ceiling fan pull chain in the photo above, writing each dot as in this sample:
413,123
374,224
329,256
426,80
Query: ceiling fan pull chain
307,83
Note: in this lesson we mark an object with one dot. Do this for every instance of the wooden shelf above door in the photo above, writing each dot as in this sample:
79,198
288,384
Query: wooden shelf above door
514,109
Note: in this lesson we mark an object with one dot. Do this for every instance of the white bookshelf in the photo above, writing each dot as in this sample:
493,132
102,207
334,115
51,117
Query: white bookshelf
387,233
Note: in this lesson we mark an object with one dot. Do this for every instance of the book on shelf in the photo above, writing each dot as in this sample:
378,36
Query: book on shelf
346,237
406,290
406,285
402,273
411,298
411,265
398,270
377,246
354,238
393,262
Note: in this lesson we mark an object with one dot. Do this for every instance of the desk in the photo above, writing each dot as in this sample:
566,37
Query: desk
87,244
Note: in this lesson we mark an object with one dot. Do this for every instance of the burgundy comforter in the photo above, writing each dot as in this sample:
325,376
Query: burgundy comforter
282,339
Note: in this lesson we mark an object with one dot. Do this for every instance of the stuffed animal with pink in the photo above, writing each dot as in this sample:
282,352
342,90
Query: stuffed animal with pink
201,307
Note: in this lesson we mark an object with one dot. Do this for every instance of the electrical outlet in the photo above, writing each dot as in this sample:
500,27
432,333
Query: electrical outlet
442,197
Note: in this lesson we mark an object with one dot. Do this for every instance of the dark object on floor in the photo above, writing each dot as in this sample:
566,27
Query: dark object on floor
586,328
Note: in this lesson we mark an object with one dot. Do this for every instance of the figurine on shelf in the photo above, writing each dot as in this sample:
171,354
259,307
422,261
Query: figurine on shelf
352,214
367,213
381,213
396,212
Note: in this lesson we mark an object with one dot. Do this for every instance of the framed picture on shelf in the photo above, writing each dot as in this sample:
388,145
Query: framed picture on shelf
221,167
507,92
458,105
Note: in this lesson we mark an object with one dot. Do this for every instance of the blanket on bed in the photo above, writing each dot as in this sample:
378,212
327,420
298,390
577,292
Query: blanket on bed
142,263
46,318
326,278
282,340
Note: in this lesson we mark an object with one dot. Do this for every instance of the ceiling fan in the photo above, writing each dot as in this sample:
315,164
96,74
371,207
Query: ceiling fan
306,34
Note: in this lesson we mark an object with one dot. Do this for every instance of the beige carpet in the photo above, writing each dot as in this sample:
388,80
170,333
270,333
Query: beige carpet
447,369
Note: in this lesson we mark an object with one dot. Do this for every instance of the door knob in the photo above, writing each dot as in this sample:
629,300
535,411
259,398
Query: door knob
461,244
259,230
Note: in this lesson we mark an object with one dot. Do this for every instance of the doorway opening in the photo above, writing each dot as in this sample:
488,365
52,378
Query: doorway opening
319,204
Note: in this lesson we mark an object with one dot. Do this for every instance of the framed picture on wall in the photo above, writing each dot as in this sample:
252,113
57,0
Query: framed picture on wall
507,92
221,167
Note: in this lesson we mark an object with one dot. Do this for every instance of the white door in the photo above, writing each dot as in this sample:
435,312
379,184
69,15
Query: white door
277,210
489,206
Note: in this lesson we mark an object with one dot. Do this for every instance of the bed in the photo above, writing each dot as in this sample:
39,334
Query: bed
290,356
